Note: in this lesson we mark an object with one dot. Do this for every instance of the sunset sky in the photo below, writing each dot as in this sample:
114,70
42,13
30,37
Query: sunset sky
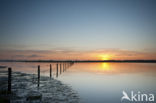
78,29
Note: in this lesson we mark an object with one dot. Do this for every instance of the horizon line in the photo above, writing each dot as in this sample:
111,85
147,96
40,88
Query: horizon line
135,60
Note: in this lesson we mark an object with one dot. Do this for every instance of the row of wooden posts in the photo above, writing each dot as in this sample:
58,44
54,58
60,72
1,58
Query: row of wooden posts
63,66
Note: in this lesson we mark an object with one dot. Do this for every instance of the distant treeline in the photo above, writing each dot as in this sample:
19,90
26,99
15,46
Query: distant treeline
122,61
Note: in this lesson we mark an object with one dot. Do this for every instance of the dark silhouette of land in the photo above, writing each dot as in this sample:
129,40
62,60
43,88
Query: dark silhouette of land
89,61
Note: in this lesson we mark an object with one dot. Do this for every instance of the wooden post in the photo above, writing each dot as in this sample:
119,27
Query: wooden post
60,68
38,75
50,71
56,70
9,80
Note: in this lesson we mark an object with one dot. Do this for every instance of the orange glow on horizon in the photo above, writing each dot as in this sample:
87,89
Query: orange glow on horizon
77,55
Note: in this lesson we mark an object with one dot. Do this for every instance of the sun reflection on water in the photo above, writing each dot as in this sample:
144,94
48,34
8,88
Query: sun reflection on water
105,67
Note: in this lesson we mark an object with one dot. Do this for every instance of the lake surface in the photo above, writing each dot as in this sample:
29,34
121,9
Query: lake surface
99,82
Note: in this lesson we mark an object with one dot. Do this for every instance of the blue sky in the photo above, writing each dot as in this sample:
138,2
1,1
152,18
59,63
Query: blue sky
83,25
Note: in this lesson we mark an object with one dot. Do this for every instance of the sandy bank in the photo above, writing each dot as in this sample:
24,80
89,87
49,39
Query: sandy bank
25,90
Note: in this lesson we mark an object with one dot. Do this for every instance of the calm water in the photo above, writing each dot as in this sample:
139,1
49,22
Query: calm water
100,82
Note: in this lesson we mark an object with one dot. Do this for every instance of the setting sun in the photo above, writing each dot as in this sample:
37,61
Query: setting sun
104,57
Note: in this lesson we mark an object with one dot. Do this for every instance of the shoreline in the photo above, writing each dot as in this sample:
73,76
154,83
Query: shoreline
25,90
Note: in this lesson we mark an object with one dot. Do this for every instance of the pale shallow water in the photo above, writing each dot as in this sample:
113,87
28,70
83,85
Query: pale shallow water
100,82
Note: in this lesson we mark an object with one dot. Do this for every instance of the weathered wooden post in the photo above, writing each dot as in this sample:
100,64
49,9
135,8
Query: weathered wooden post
60,68
56,70
38,75
9,80
50,71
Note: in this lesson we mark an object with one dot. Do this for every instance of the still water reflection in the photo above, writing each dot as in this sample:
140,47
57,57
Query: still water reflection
100,82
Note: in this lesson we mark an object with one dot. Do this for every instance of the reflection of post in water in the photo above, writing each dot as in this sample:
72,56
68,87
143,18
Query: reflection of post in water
60,68
67,65
56,70
50,71
63,67
38,75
